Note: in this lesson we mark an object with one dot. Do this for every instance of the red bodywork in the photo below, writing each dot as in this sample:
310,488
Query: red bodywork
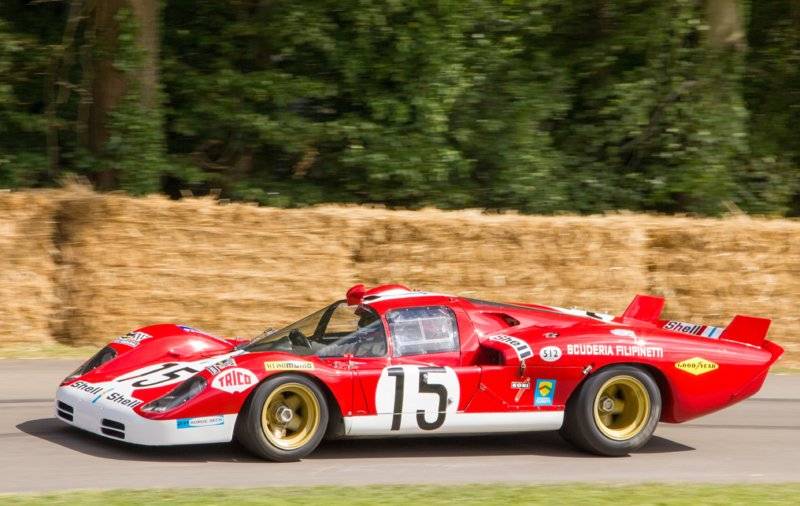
697,375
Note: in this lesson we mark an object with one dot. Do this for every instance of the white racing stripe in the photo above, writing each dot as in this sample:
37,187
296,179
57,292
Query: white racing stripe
458,423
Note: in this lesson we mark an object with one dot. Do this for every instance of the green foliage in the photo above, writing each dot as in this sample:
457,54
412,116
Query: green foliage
536,105
135,150
22,131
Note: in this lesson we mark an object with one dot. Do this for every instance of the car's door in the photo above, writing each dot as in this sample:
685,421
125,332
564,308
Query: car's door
425,386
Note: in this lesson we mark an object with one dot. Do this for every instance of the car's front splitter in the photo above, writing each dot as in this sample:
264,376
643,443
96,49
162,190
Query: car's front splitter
94,412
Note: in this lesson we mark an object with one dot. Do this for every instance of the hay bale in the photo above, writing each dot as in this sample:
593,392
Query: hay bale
27,266
710,270
593,262
84,267
232,270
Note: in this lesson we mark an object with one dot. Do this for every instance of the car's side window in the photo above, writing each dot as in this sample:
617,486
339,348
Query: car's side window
423,330
358,332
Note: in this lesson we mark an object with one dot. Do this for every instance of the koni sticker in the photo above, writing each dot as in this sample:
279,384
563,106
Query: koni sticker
697,366
288,365
521,348
521,387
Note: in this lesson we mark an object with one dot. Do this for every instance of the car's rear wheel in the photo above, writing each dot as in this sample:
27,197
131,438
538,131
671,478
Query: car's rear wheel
614,413
285,419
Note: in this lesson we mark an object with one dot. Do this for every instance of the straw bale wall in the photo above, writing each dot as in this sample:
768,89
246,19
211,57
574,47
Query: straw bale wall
79,267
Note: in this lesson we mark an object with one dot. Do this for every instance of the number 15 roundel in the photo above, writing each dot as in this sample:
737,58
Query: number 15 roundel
420,398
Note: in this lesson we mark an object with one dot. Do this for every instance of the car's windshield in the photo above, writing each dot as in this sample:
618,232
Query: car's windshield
334,331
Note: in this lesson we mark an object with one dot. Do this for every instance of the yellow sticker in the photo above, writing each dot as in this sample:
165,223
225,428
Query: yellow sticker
697,366
289,365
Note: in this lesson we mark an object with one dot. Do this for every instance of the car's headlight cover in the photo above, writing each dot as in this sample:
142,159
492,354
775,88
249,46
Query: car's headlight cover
101,357
177,397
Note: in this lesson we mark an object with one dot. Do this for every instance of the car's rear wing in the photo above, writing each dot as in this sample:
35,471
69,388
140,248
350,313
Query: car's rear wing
744,329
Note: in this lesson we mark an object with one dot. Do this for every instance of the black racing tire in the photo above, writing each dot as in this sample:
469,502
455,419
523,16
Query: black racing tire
285,443
591,423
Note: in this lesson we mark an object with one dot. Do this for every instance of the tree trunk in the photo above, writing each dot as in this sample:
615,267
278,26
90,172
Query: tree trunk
109,83
726,28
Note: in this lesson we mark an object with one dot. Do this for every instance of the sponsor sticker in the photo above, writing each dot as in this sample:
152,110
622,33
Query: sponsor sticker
697,366
132,339
288,365
122,399
203,421
550,353
521,348
545,392
234,380
619,350
215,369
521,387
694,329
87,387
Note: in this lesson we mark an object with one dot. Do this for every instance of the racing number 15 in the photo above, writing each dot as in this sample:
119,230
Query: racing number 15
424,388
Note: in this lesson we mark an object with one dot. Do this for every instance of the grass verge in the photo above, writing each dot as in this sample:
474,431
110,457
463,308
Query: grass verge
505,494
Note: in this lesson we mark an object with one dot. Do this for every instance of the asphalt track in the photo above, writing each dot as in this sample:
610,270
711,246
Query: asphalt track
755,441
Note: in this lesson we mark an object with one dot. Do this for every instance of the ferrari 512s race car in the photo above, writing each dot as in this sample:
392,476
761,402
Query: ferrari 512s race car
389,361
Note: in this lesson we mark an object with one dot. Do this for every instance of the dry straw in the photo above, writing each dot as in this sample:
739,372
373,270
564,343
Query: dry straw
80,267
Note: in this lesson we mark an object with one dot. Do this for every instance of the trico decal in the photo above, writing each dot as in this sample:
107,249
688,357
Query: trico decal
234,380
203,421
544,393
288,365
521,348
132,339
697,366
619,350
222,364
550,353
87,387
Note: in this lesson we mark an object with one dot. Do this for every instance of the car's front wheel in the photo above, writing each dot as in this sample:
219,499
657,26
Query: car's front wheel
285,418
614,413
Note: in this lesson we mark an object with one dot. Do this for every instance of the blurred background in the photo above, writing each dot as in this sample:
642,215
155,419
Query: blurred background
546,107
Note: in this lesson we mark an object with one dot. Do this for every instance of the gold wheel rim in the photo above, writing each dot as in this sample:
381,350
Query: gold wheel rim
621,408
290,416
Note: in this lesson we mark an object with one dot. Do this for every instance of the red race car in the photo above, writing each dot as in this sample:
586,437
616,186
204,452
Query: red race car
390,361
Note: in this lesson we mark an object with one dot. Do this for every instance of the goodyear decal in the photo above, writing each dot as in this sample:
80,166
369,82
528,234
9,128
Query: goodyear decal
545,392
697,366
288,365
